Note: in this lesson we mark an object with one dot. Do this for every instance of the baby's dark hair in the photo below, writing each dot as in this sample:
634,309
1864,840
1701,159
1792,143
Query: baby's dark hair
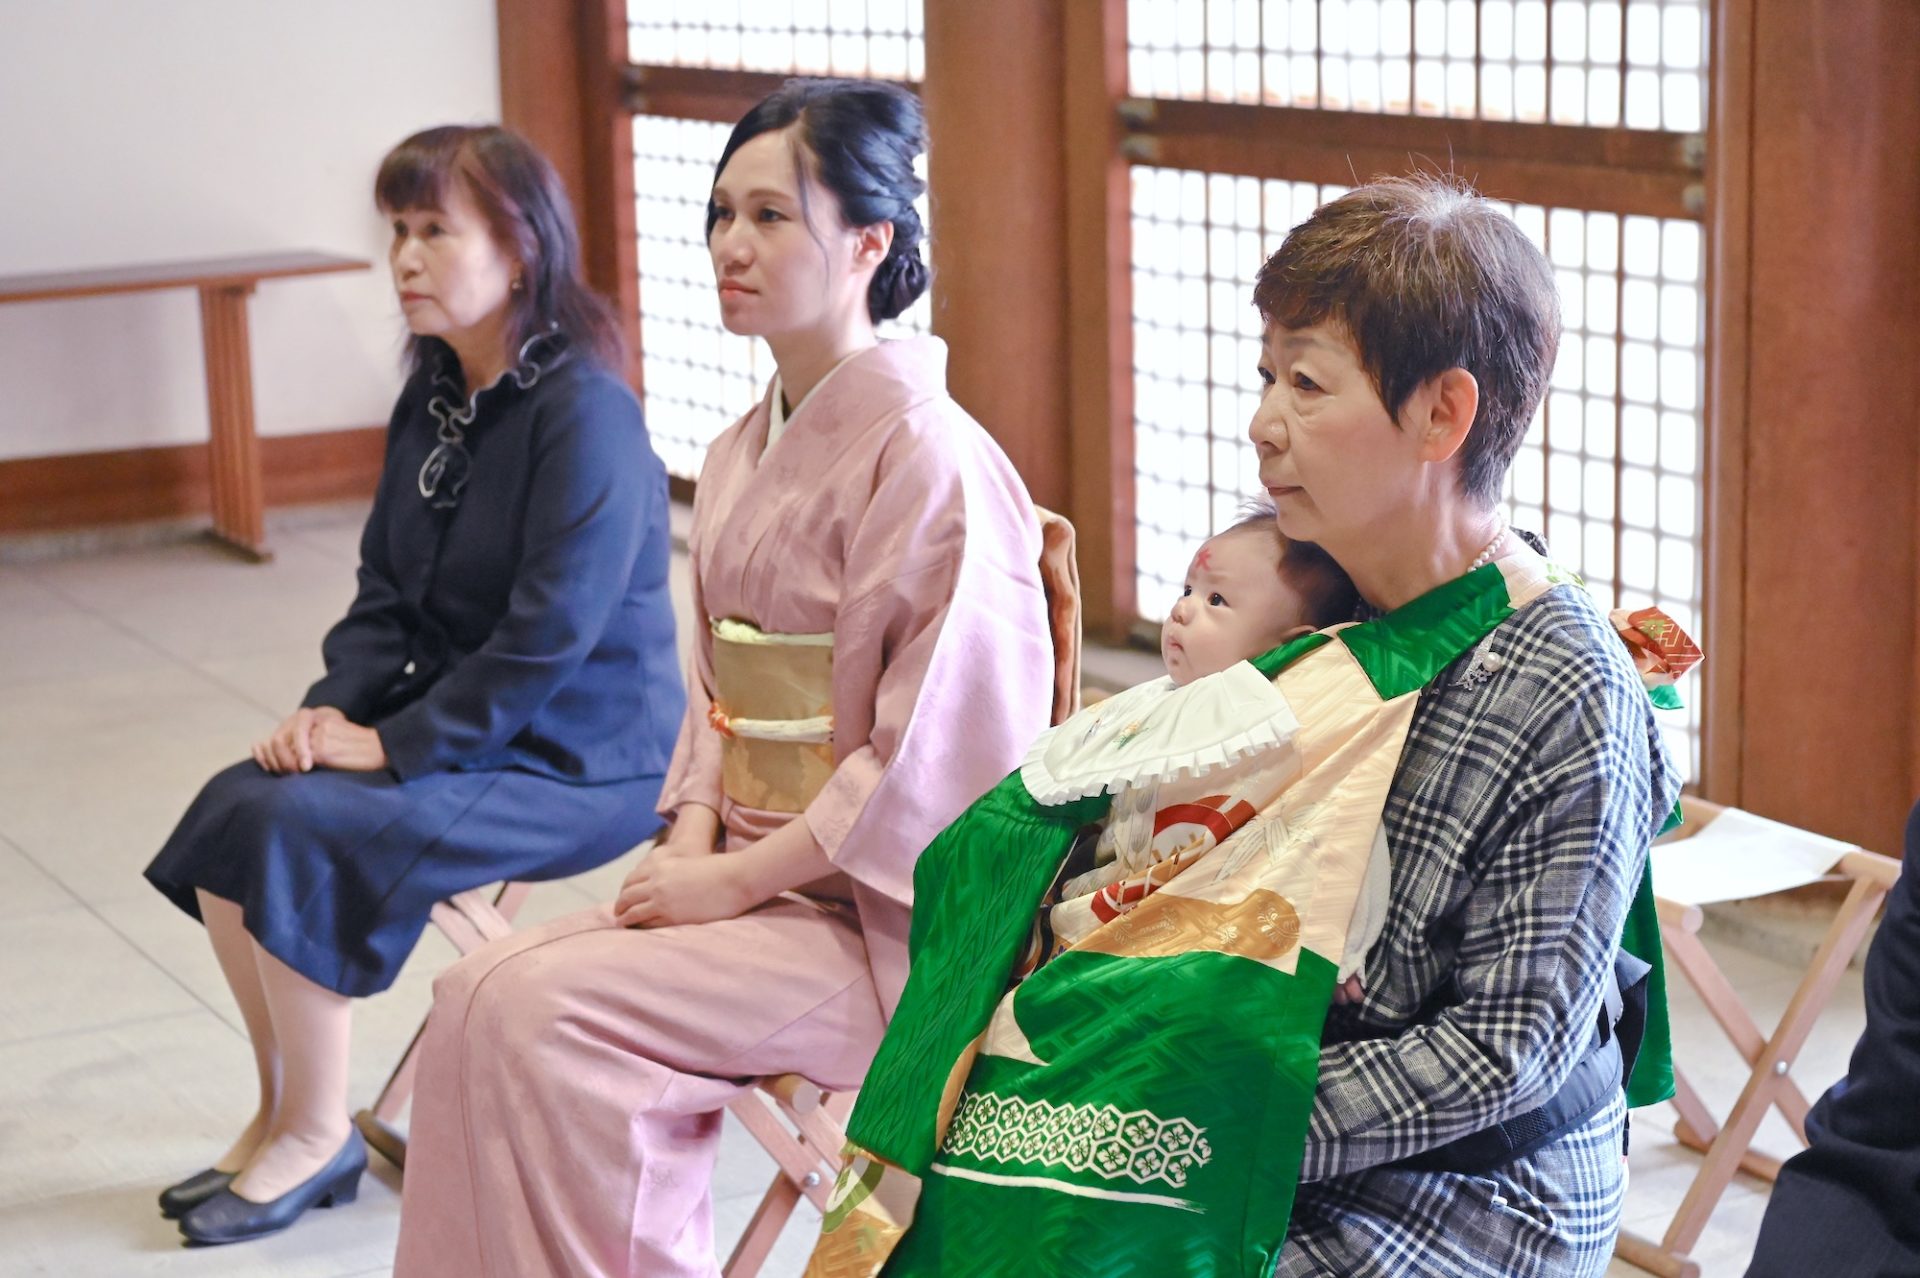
1329,593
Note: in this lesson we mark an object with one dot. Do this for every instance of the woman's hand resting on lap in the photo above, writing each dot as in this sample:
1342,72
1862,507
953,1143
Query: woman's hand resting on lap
686,888
290,748
348,747
679,883
320,737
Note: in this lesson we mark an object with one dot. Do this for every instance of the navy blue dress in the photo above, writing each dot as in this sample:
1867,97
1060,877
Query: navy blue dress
513,643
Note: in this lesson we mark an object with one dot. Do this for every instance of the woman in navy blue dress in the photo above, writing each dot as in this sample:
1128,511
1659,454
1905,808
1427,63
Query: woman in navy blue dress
500,701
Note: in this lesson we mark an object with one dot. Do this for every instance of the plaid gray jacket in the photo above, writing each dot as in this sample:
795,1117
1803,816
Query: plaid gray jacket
1531,786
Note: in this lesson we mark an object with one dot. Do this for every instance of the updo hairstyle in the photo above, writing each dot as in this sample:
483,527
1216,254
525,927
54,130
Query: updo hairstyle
860,139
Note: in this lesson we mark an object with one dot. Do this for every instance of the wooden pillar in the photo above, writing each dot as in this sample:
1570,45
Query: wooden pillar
995,166
560,87
1729,279
607,227
540,95
1100,310
1828,702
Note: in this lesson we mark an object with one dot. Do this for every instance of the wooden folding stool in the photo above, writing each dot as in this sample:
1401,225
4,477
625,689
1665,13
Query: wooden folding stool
1770,1056
797,1123
804,1129
469,920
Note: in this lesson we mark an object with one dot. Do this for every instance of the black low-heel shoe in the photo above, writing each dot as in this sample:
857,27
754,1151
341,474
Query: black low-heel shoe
177,1200
227,1217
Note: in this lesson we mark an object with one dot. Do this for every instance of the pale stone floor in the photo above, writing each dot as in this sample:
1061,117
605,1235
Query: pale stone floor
129,675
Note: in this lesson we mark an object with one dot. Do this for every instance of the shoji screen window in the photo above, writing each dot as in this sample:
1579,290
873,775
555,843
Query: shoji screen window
1611,472
1640,65
885,39
1197,240
1248,113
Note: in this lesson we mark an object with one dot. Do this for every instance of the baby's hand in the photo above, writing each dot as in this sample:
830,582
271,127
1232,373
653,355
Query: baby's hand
1348,991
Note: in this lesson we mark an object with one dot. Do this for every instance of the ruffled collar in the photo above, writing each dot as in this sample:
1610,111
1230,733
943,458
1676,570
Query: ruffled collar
537,356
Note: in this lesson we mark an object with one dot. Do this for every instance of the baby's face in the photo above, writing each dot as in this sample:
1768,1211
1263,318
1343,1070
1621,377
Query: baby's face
1235,605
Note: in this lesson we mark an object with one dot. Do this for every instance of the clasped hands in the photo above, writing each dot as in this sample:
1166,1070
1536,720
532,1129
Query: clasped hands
680,883
684,880
320,737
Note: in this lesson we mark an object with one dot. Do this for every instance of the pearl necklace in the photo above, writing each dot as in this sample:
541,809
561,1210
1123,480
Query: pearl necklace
1485,557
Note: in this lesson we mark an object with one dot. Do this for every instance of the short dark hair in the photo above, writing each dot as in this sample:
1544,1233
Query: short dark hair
1330,594
863,137
1424,274
527,211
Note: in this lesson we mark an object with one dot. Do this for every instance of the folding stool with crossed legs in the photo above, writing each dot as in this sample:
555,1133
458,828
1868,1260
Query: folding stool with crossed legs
1769,1056
797,1123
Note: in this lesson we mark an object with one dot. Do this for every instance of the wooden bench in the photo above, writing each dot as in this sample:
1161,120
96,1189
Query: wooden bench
224,284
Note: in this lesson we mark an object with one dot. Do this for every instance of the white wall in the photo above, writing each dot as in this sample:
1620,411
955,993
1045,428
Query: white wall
151,130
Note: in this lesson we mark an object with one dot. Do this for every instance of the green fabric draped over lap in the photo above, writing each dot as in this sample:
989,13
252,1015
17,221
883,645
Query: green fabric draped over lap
1226,1044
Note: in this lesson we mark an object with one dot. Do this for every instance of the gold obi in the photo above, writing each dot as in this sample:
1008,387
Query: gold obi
773,709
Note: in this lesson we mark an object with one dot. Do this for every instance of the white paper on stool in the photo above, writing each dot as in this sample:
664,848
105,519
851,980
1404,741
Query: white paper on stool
1739,855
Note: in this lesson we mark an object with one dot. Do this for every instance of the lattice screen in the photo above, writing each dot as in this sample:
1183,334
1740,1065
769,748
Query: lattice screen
698,376
1640,64
885,39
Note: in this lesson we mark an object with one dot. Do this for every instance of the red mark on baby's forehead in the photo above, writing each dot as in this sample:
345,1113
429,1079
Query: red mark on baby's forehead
1204,559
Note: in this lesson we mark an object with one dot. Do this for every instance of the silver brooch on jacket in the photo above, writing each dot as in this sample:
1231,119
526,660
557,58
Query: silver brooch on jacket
444,474
447,467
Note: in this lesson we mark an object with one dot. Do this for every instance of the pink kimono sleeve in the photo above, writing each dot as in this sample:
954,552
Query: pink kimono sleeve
942,665
693,775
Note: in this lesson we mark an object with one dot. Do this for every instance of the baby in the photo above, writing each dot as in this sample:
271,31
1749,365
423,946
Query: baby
1249,589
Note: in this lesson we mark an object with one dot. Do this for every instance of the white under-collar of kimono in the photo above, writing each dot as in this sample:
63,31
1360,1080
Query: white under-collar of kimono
779,416
1156,732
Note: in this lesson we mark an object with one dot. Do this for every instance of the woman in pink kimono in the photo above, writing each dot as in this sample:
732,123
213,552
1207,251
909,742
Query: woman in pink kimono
874,655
